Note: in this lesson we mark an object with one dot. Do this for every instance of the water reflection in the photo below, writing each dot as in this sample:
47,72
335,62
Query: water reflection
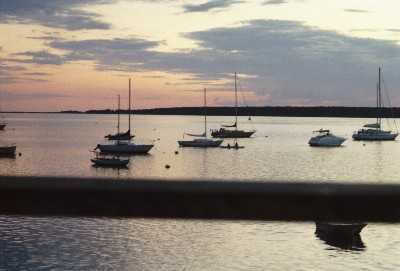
353,243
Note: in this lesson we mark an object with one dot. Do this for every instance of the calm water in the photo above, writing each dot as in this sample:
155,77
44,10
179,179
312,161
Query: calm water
60,144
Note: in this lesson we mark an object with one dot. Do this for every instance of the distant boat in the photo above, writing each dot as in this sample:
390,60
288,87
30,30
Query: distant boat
110,162
325,139
124,135
3,123
124,146
202,141
232,133
104,161
374,131
8,150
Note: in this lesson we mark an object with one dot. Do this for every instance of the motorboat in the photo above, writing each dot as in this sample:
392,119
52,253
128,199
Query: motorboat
373,131
325,138
202,141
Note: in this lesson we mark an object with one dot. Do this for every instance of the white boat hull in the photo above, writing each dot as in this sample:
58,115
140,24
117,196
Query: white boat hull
326,141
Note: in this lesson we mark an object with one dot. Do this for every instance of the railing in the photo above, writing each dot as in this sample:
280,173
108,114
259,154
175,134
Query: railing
194,199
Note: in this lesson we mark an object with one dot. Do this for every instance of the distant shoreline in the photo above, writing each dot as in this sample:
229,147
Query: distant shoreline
267,111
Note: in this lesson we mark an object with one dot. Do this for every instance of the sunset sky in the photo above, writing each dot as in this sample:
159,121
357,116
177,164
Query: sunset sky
78,54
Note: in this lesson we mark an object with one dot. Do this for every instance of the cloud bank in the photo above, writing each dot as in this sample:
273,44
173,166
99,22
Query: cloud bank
286,61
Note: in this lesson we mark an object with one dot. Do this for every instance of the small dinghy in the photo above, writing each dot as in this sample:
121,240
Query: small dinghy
114,161
234,146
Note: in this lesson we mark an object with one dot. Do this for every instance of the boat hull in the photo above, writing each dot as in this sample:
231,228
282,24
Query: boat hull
326,141
374,136
224,133
7,150
101,162
125,148
200,143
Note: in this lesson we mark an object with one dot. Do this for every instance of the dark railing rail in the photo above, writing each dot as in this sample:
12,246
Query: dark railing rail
195,199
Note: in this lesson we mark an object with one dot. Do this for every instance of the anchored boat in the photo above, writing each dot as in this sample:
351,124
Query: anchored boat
224,132
325,139
124,146
202,141
373,131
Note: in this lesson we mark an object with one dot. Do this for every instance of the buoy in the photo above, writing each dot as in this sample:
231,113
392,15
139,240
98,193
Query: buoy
363,144
176,152
167,166
19,154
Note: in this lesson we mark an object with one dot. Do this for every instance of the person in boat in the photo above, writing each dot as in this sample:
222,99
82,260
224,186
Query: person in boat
236,145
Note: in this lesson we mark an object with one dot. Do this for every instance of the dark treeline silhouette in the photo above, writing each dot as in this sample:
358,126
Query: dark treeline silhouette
284,111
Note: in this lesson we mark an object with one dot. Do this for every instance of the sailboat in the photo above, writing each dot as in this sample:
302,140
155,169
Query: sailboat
125,146
201,141
374,131
3,124
125,135
232,133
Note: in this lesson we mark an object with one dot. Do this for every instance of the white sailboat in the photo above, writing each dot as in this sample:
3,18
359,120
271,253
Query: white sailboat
223,132
202,141
325,138
373,131
125,146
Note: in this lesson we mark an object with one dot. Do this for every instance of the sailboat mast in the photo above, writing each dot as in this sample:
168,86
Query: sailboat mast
379,98
129,110
205,113
236,103
119,105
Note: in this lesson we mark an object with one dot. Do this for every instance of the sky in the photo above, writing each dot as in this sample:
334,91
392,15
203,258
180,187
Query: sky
79,54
